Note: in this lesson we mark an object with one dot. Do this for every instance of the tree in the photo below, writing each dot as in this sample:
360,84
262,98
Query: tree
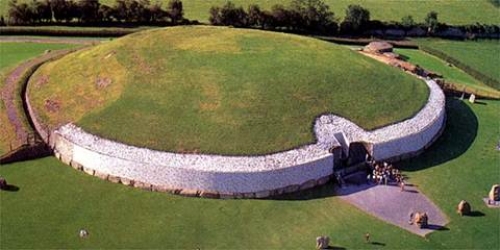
312,15
254,16
175,11
431,21
105,13
229,14
157,13
215,17
88,10
232,15
64,10
407,22
280,16
356,18
19,13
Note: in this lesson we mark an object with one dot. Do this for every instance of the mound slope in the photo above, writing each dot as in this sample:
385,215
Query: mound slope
219,90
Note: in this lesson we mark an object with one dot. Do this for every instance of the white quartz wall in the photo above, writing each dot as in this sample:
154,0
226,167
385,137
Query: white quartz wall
251,174
402,138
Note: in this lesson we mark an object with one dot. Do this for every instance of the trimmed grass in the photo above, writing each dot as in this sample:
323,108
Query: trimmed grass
450,73
483,55
463,164
54,201
12,54
471,11
221,90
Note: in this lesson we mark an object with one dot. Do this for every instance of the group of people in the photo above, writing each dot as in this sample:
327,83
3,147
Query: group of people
384,173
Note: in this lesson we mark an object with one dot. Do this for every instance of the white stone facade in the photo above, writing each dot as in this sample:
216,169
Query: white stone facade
250,176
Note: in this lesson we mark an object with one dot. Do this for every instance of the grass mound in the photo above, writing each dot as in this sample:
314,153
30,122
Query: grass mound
219,90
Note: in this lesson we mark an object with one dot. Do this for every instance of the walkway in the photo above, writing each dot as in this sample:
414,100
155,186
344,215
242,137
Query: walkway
11,98
393,206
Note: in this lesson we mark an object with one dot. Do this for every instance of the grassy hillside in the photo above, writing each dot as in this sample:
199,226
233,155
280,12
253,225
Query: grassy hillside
471,11
220,90
450,74
12,54
483,55
54,202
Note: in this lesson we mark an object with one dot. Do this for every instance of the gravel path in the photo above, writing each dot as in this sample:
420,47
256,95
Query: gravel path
388,203
10,97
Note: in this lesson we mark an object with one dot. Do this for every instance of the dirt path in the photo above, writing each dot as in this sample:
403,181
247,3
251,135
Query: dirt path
390,204
10,97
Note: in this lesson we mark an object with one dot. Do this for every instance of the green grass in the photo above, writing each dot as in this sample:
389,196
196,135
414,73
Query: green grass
463,164
54,201
450,73
471,11
483,55
12,54
221,90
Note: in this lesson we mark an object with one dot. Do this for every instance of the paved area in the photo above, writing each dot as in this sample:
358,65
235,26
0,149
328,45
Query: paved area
394,206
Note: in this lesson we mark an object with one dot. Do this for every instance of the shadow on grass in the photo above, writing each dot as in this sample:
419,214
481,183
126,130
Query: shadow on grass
437,227
378,243
327,190
11,188
458,136
475,214
336,248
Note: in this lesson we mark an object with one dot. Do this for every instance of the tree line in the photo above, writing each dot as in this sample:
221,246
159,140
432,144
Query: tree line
315,17
92,12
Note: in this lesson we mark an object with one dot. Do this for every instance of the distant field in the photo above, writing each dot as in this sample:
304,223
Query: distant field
450,73
470,11
483,56
12,54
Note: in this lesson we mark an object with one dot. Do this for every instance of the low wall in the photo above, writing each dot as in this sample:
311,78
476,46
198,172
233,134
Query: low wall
217,176
190,174
395,141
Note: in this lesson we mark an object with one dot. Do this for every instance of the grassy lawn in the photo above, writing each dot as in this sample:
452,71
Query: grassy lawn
221,90
12,54
450,73
483,55
471,11
54,201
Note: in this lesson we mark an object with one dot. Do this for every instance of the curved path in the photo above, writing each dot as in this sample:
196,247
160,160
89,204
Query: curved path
10,96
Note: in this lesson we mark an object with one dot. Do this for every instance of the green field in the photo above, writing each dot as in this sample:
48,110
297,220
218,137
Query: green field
54,201
471,11
483,55
10,55
450,73
221,90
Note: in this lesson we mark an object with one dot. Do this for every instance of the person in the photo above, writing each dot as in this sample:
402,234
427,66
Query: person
367,238
402,185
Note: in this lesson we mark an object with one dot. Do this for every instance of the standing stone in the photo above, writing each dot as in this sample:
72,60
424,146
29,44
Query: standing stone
472,98
464,208
83,233
3,184
322,242
494,194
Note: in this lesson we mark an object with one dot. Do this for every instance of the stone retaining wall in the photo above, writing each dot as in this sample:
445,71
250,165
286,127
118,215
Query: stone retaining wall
218,176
